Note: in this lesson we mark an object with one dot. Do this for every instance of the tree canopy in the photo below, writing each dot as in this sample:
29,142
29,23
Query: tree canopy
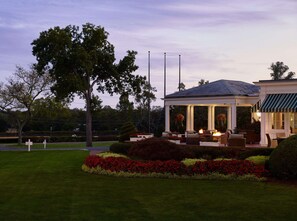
202,81
83,61
278,71
18,95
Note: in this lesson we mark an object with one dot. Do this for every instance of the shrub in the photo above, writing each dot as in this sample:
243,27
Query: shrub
209,152
191,162
210,176
258,160
158,149
126,130
119,164
282,162
218,159
255,152
121,148
110,154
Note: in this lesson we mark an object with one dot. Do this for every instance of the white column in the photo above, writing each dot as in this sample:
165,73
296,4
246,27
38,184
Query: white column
167,118
192,118
264,120
213,118
188,123
211,122
233,116
287,124
209,118
229,118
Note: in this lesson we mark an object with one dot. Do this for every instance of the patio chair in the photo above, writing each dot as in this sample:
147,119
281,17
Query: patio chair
225,137
236,140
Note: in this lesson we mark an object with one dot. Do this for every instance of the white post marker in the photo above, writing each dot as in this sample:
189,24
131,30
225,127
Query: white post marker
44,144
29,143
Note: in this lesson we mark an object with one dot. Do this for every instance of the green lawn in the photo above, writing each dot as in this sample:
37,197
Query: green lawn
49,185
63,145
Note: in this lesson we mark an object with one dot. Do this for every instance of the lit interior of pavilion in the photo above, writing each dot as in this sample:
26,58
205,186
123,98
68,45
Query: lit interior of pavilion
215,108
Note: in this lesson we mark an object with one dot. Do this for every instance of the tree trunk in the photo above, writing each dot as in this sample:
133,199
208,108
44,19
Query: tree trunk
89,134
20,129
20,136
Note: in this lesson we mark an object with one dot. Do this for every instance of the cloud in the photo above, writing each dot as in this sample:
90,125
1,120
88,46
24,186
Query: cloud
216,38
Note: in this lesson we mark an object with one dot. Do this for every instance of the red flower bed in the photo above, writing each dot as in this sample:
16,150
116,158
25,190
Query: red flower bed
238,167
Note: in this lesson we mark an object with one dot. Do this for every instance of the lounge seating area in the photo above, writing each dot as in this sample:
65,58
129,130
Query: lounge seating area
207,138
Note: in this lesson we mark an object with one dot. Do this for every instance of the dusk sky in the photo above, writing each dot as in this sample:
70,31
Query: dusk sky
217,39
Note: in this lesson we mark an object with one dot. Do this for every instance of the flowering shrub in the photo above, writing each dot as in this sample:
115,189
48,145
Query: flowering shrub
110,154
237,167
190,162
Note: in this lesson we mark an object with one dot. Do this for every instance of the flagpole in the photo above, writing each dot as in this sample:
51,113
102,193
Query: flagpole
149,100
179,71
164,77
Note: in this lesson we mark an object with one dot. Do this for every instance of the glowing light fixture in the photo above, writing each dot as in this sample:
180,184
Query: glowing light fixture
258,113
217,134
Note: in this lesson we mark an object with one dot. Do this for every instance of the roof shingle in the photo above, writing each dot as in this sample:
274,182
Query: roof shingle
219,88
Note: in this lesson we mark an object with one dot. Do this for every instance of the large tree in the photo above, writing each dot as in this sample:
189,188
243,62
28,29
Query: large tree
18,95
278,71
84,61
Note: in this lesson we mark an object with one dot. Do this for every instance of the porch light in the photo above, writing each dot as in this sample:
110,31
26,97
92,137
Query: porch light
201,131
258,113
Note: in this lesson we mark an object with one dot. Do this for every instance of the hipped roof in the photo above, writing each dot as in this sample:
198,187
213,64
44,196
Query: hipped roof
219,88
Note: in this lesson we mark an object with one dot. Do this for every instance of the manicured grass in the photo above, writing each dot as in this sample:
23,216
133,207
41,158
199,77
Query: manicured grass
49,185
63,145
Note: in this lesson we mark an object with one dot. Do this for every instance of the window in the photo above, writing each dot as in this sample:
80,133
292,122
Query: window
278,121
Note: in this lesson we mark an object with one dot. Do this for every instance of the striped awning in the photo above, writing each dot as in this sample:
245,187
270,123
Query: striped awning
279,103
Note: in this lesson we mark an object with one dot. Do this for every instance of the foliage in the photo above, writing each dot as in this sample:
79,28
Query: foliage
191,162
158,149
278,70
50,114
179,122
17,97
210,176
218,159
238,167
83,61
181,86
258,160
202,82
126,130
110,154
145,98
176,113
221,122
209,152
282,162
4,124
120,148
255,152
125,106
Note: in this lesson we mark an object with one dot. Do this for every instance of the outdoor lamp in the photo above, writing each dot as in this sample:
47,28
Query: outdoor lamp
258,113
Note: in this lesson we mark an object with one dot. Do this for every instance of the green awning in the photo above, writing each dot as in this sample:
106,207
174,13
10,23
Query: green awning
279,103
